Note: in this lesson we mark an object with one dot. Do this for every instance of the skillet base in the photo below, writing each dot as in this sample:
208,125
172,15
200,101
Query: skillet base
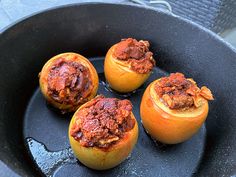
45,133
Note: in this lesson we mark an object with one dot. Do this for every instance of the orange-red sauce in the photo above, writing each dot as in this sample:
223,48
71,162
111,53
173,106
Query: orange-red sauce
102,122
136,53
178,92
69,82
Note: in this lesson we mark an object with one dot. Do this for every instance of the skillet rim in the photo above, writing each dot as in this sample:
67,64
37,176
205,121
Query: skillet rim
158,10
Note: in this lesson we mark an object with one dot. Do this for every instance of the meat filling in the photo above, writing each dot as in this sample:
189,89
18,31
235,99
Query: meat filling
102,122
178,92
69,82
136,53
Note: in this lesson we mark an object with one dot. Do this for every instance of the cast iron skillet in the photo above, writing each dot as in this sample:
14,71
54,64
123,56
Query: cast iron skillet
33,136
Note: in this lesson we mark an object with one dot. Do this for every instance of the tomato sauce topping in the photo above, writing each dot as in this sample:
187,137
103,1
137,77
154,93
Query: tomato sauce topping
136,53
177,92
69,82
102,122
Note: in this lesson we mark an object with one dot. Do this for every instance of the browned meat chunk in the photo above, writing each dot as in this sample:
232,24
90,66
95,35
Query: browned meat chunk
102,122
136,53
178,92
68,82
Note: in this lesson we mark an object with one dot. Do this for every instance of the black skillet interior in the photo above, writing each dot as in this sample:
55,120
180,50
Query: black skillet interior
34,137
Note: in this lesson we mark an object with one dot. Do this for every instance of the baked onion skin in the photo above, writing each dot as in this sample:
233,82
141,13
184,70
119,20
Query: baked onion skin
70,57
100,158
119,75
170,126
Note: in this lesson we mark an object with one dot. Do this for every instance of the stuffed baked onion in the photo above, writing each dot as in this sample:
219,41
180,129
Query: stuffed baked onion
173,108
128,64
68,80
103,132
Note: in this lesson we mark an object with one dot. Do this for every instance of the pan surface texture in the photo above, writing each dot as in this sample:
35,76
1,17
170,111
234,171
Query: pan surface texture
34,136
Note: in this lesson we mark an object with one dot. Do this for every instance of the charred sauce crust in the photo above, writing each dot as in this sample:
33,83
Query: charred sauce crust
177,92
136,53
103,122
69,82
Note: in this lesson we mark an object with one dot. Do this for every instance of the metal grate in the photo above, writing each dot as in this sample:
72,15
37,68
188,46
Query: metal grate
217,15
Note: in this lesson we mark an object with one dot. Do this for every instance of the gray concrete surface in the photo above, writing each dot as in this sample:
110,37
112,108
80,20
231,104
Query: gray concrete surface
12,10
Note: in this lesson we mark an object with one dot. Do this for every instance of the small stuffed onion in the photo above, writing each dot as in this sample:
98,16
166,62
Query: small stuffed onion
128,64
173,108
103,132
68,80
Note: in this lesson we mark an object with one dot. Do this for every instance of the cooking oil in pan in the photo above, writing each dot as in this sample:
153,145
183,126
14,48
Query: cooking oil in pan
49,161
104,84
106,89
